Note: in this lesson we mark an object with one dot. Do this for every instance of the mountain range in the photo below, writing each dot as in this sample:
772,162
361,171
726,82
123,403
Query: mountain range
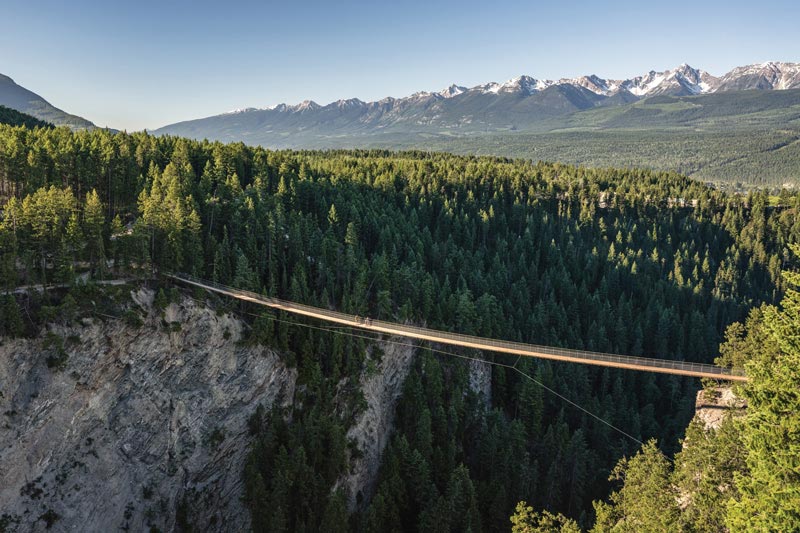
520,104
739,128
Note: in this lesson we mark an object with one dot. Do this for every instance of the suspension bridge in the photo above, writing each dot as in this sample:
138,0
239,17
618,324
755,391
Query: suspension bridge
663,366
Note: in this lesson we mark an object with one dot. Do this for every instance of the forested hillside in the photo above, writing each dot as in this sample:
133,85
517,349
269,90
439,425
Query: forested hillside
13,117
749,138
739,475
733,159
627,261
21,99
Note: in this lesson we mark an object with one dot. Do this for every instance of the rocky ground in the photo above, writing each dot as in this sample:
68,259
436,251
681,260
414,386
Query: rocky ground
142,427
715,403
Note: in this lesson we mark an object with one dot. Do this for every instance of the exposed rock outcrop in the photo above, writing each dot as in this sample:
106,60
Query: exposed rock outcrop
480,381
714,404
142,426
374,426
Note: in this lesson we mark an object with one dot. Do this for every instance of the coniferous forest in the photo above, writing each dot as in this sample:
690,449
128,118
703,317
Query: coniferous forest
623,261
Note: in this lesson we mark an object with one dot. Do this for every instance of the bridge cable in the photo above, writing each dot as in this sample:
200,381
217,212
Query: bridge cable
444,352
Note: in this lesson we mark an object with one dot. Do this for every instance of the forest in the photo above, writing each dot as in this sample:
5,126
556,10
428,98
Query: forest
634,262
733,158
13,117
734,139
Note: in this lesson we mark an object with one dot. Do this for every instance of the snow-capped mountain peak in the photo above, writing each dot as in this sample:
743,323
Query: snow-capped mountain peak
488,88
525,84
240,110
769,75
642,85
593,83
305,105
350,103
453,90
683,80
419,95
522,84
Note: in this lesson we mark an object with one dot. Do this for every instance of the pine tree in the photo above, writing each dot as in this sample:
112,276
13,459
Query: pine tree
334,519
11,323
704,473
647,501
770,494
526,520
119,250
93,222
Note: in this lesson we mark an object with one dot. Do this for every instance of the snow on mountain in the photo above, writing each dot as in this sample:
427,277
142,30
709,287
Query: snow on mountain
683,80
243,110
522,103
593,83
350,103
305,105
769,75
419,95
453,90
487,88
523,84
680,81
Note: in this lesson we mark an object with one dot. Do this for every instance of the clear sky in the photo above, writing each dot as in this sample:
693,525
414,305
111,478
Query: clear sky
144,64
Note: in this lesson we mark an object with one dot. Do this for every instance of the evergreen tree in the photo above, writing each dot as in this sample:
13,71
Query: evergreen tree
526,520
770,492
11,323
93,227
647,501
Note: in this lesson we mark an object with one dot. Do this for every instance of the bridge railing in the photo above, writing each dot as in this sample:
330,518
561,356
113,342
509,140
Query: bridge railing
465,340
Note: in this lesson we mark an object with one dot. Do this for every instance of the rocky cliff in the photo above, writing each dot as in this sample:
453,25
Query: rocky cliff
373,427
142,426
715,403
146,426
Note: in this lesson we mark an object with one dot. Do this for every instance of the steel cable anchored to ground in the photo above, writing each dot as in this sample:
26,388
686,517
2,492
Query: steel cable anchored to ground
664,366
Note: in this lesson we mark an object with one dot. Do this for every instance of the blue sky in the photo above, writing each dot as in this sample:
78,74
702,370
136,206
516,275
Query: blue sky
144,64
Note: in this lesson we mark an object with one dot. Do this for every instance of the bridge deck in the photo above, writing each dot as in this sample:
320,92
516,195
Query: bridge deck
663,366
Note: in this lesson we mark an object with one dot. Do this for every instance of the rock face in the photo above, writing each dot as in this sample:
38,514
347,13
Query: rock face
373,427
713,405
142,427
480,381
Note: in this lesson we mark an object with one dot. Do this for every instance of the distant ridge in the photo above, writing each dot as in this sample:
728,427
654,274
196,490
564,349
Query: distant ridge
21,99
522,103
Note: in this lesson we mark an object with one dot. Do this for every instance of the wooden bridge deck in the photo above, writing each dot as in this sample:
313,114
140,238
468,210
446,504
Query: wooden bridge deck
663,366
